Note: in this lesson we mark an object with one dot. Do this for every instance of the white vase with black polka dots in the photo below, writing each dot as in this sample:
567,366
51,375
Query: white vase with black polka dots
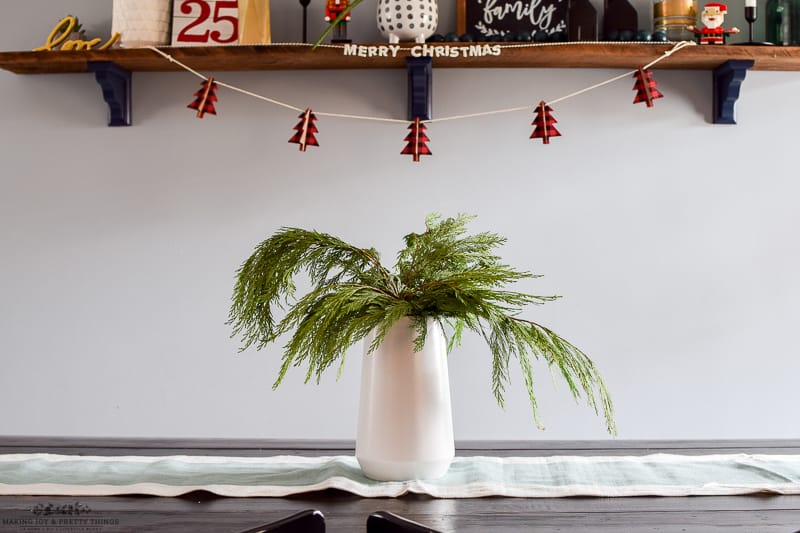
407,20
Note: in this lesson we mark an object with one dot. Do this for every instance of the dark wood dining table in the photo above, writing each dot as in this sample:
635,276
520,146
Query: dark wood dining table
201,512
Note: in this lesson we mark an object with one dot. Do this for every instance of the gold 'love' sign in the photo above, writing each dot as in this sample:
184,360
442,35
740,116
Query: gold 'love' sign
60,34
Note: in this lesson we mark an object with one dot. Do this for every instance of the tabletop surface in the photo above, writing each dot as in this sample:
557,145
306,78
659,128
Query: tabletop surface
203,512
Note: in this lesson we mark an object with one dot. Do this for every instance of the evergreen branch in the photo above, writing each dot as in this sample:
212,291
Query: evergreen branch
575,366
265,280
440,274
458,329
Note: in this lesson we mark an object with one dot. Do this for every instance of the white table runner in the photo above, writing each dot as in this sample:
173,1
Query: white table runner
468,477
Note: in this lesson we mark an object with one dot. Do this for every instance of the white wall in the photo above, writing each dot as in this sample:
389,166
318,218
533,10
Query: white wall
673,241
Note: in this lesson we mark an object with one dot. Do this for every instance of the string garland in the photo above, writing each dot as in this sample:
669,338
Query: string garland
543,130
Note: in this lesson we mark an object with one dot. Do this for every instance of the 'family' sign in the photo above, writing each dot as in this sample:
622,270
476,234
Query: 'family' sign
488,18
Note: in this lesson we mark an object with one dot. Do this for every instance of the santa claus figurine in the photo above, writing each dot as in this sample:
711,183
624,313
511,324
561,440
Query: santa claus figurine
713,16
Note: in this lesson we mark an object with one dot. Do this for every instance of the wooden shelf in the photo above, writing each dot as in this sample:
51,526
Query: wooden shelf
299,57
113,68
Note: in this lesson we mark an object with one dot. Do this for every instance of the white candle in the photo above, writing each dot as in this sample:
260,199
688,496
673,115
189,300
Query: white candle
749,3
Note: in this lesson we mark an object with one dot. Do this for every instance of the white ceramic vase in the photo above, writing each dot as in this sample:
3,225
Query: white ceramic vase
407,20
405,424
142,22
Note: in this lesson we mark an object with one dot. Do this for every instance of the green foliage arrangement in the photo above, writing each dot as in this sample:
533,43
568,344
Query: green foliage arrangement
441,274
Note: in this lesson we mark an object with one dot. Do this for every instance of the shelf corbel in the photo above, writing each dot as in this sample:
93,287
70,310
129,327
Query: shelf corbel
115,83
728,78
420,83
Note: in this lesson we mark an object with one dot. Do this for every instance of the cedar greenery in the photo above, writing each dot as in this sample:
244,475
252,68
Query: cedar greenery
441,274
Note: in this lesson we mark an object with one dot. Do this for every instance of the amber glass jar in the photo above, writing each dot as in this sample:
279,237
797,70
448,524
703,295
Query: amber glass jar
673,17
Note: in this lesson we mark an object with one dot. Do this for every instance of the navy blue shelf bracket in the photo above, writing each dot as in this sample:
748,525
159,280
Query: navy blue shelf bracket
728,79
115,82
420,83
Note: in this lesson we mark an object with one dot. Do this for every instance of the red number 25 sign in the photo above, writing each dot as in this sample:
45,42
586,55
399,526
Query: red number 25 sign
205,22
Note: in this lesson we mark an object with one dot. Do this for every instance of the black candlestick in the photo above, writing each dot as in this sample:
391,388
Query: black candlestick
305,3
751,15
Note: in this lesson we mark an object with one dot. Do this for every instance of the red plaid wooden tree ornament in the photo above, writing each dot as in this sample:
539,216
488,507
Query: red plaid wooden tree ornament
645,87
416,141
306,129
544,123
205,98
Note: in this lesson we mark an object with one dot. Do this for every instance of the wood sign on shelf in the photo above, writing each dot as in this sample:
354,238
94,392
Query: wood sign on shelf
488,18
220,22
205,22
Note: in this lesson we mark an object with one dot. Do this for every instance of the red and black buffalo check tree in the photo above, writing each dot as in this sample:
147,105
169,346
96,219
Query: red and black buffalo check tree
306,129
416,141
205,98
544,123
645,88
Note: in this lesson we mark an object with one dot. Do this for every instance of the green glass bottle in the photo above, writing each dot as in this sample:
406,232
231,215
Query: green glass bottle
783,22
